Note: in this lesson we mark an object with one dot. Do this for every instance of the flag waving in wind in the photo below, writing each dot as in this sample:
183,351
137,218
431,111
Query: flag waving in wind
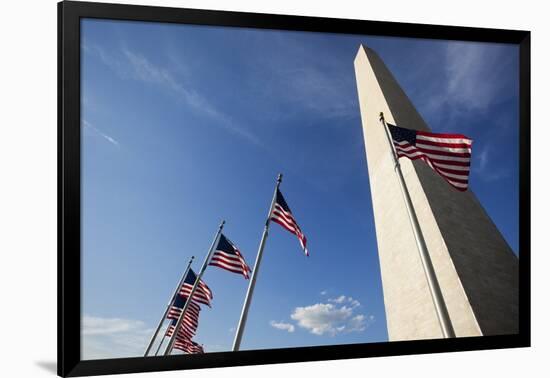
227,256
183,334
202,294
191,317
184,340
447,154
189,346
282,215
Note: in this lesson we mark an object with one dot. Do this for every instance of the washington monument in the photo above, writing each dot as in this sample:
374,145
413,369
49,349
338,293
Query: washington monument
475,267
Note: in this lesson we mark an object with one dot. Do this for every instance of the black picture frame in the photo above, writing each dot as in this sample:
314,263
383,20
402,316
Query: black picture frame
69,261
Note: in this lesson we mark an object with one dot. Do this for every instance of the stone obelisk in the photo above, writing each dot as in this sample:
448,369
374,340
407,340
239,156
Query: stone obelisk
475,267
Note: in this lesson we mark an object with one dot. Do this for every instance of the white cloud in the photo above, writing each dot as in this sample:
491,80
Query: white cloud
130,64
100,133
483,168
476,74
113,337
357,323
303,78
474,77
324,292
343,299
483,158
340,299
331,319
282,326
100,326
322,318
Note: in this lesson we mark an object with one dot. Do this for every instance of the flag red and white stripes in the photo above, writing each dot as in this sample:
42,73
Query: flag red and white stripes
184,331
202,294
184,340
282,215
227,256
192,310
447,154
189,346
189,323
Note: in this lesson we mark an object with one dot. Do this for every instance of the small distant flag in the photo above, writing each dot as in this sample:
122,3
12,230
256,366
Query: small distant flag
447,154
183,339
190,320
175,311
189,346
202,294
282,215
184,333
227,256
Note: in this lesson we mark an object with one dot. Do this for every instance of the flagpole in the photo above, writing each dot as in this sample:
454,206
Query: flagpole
433,284
246,305
170,303
160,344
189,298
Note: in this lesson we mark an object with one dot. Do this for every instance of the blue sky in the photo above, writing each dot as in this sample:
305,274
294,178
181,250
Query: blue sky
183,126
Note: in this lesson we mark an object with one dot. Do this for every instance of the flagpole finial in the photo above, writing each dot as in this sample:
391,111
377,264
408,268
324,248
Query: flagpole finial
221,224
280,177
381,116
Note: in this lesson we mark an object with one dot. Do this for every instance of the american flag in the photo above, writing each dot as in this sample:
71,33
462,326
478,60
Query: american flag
191,317
185,333
447,154
183,339
175,311
202,294
282,215
189,346
227,256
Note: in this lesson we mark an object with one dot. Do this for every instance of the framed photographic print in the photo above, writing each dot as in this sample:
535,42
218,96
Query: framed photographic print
239,188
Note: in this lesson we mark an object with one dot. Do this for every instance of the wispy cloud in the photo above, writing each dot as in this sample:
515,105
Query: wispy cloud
282,326
113,337
475,74
106,58
324,292
100,133
342,299
473,77
483,168
128,64
331,318
317,91
101,326
483,159
476,78
304,78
